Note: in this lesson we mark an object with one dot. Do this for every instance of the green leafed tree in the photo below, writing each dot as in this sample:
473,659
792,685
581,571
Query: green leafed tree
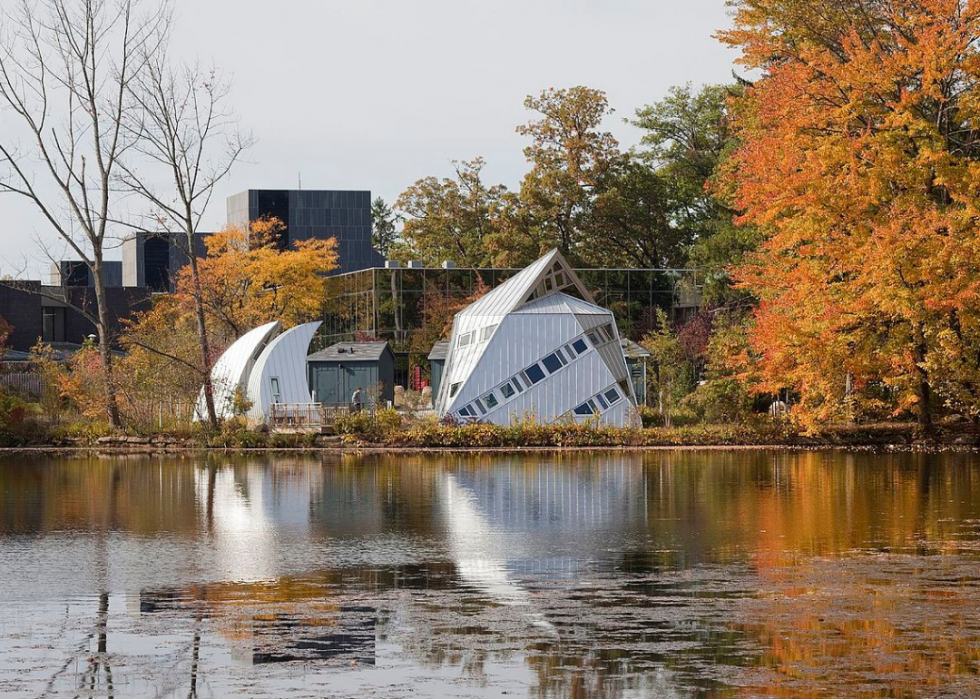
569,155
454,218
687,137
384,227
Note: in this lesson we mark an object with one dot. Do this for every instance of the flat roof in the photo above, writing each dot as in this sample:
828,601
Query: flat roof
351,351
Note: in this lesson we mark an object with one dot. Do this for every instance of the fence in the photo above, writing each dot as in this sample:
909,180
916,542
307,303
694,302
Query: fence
302,415
27,383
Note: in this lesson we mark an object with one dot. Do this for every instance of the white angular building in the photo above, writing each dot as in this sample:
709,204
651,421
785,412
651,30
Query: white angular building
537,346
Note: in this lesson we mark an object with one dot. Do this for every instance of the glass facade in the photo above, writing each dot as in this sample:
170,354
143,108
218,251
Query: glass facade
413,307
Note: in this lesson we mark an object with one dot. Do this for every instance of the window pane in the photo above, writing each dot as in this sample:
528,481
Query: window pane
534,373
491,400
551,363
583,409
561,357
594,339
517,384
453,390
602,402
569,351
612,395
507,390
580,346
479,406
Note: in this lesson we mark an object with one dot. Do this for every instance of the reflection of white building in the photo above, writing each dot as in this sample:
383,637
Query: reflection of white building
537,345
544,520
243,537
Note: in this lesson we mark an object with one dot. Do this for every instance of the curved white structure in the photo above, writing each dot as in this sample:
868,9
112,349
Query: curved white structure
537,345
231,372
279,374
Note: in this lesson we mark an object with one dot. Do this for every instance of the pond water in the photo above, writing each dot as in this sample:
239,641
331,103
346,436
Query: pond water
664,574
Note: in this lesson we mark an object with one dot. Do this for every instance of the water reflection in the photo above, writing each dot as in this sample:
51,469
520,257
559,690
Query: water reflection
673,573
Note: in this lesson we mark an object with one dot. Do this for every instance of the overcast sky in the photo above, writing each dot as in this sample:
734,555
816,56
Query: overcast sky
375,94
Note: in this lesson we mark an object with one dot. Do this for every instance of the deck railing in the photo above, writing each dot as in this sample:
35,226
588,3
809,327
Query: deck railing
301,415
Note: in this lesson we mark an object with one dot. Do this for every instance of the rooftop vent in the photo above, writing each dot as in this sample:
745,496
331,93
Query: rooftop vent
392,264
449,264
414,264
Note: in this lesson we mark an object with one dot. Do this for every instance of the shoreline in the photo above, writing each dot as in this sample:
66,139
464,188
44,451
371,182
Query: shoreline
149,450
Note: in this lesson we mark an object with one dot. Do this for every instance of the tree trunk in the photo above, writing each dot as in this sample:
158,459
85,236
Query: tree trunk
105,342
923,391
202,332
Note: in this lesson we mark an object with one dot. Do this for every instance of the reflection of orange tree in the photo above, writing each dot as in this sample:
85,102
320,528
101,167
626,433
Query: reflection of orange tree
73,495
778,506
236,607
867,625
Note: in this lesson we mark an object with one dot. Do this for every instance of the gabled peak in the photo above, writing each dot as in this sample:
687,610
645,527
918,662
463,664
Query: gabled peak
547,275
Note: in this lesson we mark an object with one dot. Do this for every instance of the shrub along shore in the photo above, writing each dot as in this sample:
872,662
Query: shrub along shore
389,429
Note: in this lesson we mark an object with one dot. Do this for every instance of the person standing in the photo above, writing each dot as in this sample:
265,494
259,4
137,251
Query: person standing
355,401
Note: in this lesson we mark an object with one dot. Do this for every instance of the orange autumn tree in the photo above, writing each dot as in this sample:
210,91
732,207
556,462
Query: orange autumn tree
246,280
859,157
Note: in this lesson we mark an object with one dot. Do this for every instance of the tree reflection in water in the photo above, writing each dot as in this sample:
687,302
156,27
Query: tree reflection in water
667,573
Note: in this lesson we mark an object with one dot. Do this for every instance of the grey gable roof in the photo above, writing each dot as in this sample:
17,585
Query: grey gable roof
350,351
439,350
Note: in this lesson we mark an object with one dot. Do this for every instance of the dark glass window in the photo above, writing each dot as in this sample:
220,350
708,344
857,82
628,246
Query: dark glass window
534,373
561,357
583,409
551,363
491,401
454,389
479,406
517,384
580,346
507,390
594,338
625,387
612,395
53,324
156,262
602,402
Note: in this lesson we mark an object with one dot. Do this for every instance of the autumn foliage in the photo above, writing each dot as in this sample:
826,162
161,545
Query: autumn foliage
859,158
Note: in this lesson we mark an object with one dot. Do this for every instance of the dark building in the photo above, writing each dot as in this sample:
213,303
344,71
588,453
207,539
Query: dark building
77,273
50,313
320,214
152,260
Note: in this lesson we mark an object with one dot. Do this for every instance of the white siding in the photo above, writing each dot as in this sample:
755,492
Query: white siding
285,359
232,370
519,341
527,331
557,394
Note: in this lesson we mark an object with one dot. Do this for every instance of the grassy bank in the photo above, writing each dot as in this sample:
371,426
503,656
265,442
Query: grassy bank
391,429
369,434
